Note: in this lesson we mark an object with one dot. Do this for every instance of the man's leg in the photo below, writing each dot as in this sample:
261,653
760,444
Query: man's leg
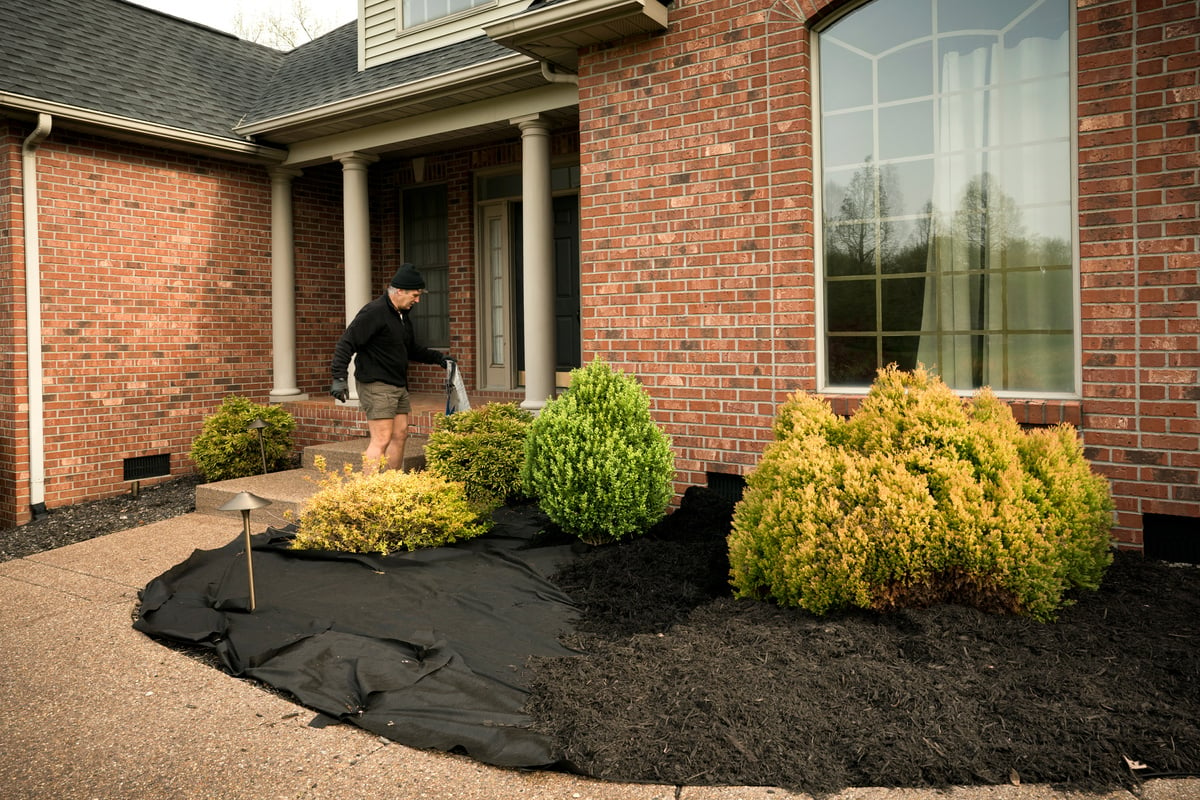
381,438
398,439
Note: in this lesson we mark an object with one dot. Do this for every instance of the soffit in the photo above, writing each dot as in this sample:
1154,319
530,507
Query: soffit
556,31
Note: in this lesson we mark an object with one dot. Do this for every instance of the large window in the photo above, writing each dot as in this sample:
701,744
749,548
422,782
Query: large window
947,204
418,12
427,246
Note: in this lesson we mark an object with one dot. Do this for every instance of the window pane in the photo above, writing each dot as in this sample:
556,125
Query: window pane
947,187
418,12
903,302
847,139
906,130
906,73
851,305
852,360
426,244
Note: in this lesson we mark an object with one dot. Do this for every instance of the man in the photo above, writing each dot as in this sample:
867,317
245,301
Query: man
381,335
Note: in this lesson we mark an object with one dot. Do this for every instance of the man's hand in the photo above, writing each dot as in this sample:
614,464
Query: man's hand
340,389
447,361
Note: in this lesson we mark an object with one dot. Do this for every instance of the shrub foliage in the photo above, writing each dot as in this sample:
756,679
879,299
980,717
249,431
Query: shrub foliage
483,449
385,512
919,498
226,449
595,460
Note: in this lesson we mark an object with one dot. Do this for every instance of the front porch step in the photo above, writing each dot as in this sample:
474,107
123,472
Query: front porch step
287,490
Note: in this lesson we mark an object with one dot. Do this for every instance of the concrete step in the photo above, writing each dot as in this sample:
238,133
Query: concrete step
287,490
351,452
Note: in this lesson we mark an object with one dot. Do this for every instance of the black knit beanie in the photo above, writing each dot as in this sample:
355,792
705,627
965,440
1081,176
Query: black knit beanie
407,277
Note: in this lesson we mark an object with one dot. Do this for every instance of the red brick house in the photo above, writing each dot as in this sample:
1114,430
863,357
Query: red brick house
729,200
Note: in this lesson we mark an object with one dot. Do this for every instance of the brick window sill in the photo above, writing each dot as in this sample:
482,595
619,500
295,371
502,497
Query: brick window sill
1026,412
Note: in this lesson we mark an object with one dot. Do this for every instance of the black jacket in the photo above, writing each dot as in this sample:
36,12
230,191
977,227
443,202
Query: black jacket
383,340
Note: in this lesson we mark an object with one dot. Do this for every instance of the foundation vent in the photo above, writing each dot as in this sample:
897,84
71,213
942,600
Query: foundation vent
142,467
727,487
1167,537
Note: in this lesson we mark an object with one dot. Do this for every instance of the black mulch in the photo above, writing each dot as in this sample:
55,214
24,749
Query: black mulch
681,684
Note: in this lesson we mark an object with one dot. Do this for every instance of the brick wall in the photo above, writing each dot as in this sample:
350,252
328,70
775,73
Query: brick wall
1139,231
697,224
14,452
155,278
698,260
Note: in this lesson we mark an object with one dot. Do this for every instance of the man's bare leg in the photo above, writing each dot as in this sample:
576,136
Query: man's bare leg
381,439
397,442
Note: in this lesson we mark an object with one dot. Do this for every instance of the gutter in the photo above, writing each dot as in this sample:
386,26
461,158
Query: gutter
33,317
140,130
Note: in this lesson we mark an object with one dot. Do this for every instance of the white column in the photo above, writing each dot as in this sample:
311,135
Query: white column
537,223
356,225
283,286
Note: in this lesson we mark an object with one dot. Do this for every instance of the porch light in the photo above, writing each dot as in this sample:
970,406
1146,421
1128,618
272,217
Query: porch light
245,503
257,425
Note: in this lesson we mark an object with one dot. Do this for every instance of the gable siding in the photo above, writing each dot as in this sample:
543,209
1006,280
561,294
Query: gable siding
699,269
384,41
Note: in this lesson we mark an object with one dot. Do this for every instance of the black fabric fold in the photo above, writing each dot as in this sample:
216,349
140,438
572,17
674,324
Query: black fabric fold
426,648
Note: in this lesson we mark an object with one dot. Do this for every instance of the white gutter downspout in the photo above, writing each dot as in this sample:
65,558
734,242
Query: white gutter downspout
33,317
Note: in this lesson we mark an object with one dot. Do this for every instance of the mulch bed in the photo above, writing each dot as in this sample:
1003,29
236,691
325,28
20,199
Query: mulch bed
681,684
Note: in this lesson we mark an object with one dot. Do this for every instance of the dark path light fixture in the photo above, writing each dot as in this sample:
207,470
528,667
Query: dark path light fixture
245,503
257,425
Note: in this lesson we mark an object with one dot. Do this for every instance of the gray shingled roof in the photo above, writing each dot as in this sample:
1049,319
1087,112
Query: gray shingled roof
117,58
326,70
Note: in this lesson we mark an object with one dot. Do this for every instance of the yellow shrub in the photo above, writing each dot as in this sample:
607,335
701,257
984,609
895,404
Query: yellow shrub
386,512
919,498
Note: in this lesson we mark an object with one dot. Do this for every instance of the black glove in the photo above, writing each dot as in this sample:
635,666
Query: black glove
446,361
340,389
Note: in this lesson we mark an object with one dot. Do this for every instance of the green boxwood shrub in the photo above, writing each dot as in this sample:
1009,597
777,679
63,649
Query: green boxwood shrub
595,460
919,498
226,449
483,449
385,512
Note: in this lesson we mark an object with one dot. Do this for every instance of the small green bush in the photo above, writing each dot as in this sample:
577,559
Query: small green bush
919,498
598,465
226,449
385,512
483,449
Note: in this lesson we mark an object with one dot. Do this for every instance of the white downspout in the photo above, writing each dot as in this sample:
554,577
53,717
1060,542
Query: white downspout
33,317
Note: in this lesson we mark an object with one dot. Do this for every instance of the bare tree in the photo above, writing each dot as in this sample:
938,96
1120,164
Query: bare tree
283,29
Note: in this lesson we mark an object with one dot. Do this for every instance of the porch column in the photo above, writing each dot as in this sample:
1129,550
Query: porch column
356,224
537,241
283,286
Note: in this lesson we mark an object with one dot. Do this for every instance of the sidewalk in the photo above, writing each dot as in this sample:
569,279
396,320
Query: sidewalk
92,709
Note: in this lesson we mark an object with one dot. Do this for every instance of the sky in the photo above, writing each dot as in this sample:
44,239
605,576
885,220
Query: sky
220,14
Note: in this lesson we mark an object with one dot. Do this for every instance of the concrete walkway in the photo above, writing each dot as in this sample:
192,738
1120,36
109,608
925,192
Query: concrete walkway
94,710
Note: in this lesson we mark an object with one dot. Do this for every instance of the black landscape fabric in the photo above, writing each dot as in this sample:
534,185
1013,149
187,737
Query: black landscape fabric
425,648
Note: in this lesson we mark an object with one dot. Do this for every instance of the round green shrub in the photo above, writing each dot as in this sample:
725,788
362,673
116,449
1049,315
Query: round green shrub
483,449
919,498
595,460
385,512
226,449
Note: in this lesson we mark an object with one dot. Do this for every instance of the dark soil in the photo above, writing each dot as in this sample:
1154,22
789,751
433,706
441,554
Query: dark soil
70,524
681,684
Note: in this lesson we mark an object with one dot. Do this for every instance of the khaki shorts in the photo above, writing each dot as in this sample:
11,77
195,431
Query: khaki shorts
380,400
